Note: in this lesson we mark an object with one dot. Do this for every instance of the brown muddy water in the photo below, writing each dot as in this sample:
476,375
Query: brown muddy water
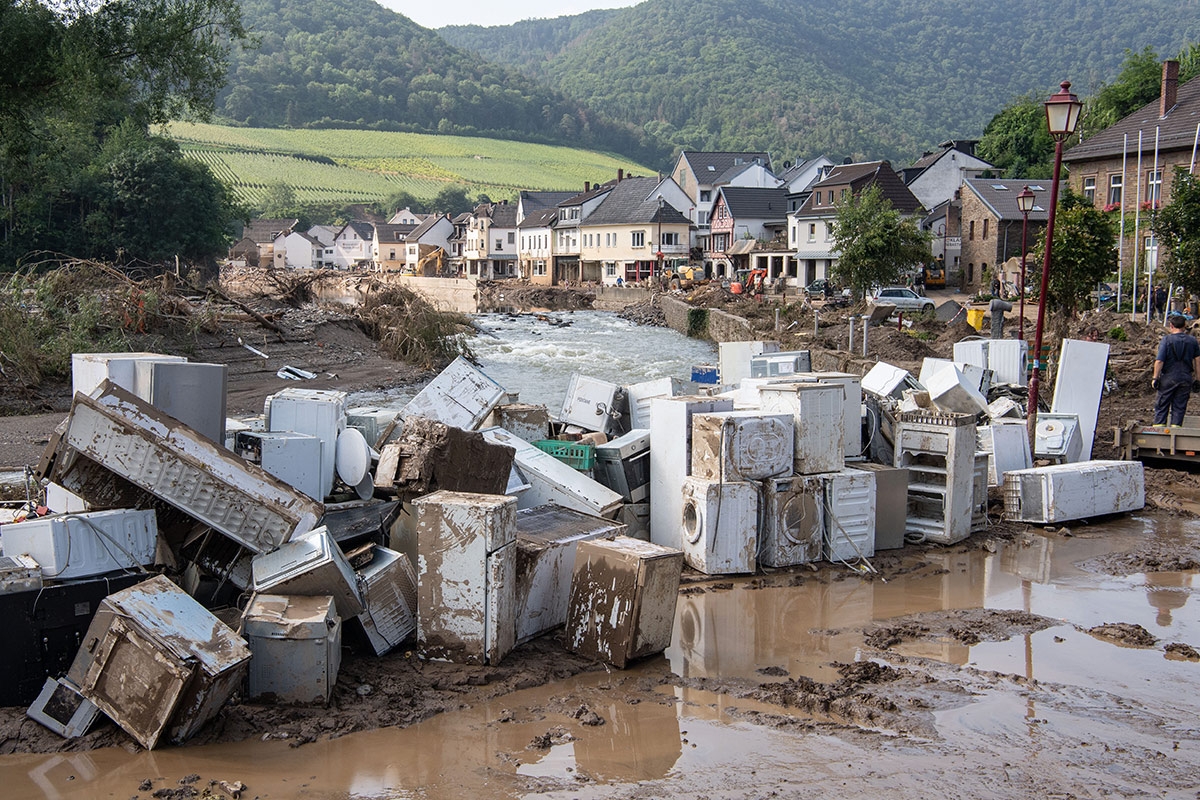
992,686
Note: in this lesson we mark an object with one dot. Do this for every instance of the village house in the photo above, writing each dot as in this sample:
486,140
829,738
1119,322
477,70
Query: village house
810,228
744,220
944,223
427,247
636,232
700,174
566,247
536,233
406,216
935,177
992,226
1128,168
387,247
297,250
352,247
325,234
490,247
257,245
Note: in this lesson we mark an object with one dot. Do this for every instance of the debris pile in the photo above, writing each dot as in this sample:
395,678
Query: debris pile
205,559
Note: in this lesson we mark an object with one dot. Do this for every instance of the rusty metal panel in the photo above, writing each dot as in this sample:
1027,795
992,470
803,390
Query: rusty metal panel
547,537
456,534
311,564
296,644
158,663
172,462
622,604
523,420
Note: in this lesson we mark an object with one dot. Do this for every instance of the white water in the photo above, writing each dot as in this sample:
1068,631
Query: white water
536,357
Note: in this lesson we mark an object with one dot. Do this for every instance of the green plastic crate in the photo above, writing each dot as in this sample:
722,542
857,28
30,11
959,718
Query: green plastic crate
573,454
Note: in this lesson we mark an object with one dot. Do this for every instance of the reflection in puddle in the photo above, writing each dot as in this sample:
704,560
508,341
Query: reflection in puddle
789,631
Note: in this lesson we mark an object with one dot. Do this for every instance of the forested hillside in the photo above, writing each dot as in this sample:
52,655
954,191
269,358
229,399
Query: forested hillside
340,63
857,78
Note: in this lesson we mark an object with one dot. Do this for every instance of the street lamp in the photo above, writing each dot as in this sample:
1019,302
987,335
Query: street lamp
661,206
1062,115
1025,204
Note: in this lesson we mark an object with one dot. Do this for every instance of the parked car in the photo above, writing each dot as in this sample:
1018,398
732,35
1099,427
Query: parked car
821,286
902,298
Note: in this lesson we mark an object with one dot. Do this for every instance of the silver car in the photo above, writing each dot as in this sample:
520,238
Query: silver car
902,298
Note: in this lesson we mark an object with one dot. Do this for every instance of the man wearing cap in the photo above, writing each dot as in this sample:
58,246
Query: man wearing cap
1175,371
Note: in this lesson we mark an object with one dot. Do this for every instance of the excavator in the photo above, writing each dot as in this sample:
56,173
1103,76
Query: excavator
753,281
435,256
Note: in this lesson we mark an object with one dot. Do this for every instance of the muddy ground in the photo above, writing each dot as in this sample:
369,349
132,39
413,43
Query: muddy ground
867,701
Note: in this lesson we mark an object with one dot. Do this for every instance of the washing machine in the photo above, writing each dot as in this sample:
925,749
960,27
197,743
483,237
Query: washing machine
738,446
720,526
793,520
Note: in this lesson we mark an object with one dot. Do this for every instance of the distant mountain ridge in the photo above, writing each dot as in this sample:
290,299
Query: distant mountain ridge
353,63
862,79
856,78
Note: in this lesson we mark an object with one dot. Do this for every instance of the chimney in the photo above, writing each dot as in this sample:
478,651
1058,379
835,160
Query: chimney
587,186
1170,87
620,175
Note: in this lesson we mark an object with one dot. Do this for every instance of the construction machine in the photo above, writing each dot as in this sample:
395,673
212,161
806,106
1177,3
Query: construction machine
436,256
753,281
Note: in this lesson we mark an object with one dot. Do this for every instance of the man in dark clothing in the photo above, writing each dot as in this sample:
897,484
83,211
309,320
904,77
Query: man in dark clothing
1175,372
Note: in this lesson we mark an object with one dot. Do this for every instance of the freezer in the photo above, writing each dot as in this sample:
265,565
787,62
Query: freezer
547,538
466,576
622,603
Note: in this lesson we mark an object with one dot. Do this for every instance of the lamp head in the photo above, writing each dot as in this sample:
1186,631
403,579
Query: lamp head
1062,112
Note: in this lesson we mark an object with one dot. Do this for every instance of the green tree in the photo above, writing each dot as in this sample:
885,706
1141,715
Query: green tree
875,245
1084,252
1139,83
1177,228
1017,142
77,74
451,200
278,201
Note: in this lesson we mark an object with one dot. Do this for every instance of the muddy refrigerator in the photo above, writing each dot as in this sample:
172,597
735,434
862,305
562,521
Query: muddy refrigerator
466,576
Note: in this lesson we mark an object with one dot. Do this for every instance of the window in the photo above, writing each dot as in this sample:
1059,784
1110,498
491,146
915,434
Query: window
705,196
1154,187
539,268
391,255
701,217
812,231
971,232
639,238
1089,189
670,239
512,237
499,244
829,231
610,268
985,227
1115,183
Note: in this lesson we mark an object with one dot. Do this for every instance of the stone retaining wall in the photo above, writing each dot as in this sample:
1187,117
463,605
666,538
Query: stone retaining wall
705,323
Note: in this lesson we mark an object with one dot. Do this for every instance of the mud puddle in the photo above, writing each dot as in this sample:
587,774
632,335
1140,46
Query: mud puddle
993,665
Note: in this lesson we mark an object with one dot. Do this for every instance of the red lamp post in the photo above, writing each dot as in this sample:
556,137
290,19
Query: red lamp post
1025,204
1062,115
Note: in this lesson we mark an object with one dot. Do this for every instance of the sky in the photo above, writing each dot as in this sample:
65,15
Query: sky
434,14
